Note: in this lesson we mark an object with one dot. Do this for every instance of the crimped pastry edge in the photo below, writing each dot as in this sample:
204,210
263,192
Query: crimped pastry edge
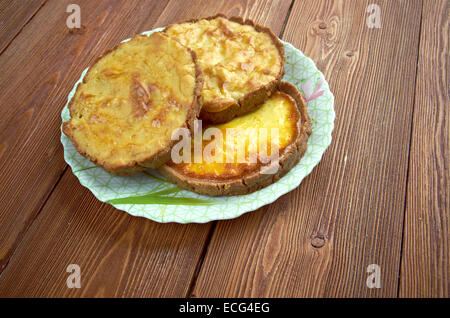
159,158
253,99
255,180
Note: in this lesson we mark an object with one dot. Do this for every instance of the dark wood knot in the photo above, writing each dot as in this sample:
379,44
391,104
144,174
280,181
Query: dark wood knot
318,241
80,30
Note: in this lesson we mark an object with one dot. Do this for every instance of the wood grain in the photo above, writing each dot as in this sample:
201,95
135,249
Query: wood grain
119,255
319,239
425,270
268,13
315,241
38,70
13,17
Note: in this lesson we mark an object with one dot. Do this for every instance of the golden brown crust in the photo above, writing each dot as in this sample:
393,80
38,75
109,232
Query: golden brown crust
253,99
160,157
253,181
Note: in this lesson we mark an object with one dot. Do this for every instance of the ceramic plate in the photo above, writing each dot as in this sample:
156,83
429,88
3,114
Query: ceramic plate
151,196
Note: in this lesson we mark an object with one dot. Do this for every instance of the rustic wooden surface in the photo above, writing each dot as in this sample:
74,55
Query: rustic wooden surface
425,262
379,196
13,17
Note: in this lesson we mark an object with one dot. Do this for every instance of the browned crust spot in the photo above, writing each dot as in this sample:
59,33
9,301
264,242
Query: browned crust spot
161,157
253,99
253,181
140,98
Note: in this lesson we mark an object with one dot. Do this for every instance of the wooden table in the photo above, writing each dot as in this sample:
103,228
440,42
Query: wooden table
380,195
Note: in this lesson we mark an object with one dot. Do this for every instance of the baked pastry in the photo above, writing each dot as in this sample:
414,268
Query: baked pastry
242,63
284,110
130,102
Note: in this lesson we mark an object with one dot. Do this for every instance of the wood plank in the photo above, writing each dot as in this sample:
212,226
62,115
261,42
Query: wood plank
119,255
318,240
425,270
267,12
13,17
38,70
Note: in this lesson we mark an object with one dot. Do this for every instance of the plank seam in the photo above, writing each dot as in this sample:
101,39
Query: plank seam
201,259
286,19
409,156
30,223
23,26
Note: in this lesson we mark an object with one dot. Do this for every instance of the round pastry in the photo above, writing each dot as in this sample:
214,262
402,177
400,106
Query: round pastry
242,63
131,101
285,111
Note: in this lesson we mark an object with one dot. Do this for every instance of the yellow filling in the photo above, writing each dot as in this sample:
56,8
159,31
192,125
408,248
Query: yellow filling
278,112
132,100
235,59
